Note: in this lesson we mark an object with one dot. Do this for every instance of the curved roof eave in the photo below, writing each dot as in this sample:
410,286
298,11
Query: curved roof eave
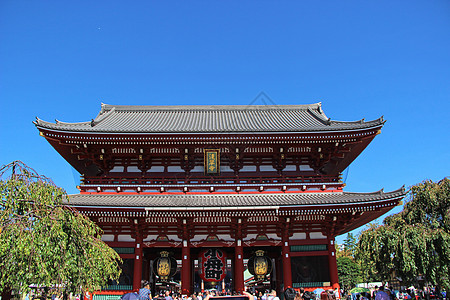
231,201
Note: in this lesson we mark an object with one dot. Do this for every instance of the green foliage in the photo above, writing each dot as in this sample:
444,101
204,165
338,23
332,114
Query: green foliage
351,269
44,242
415,241
368,272
348,271
350,243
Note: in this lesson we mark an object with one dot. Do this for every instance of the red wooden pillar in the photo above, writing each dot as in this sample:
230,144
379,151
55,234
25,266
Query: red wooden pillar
239,267
186,268
137,274
332,264
286,258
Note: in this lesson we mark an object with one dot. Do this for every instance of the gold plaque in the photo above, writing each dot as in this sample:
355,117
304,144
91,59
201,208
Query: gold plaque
212,161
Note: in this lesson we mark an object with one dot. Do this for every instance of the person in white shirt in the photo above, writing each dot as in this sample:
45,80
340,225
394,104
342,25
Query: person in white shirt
337,295
273,296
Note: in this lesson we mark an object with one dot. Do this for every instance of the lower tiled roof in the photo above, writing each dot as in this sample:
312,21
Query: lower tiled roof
229,200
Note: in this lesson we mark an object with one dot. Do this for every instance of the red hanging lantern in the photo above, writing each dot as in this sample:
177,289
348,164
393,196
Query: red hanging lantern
213,265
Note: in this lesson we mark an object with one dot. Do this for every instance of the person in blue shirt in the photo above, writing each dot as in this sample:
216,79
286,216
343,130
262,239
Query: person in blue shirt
381,294
144,292
167,296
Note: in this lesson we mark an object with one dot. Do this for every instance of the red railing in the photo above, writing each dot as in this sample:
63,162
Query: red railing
209,180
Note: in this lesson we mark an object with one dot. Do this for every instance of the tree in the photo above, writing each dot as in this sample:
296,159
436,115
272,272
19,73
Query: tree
347,248
44,242
348,271
367,271
415,241
350,243
352,267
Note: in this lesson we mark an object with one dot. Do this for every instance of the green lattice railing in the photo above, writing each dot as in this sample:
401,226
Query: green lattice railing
107,297
124,250
119,287
306,248
310,284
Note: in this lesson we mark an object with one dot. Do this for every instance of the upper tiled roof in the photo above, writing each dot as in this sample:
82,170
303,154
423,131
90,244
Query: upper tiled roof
198,201
209,119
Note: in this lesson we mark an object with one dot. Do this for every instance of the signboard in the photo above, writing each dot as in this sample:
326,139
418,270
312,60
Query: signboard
213,265
212,161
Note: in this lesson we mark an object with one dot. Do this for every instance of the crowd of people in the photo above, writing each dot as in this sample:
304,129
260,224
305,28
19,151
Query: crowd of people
379,293
386,293
53,294
145,294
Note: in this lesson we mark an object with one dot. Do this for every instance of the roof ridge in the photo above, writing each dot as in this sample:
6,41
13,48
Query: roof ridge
40,122
102,115
108,107
379,192
67,123
380,120
320,115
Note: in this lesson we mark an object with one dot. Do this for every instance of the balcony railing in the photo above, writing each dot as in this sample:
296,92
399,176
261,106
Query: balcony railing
209,180
210,183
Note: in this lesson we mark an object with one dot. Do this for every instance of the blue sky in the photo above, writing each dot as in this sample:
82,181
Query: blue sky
361,59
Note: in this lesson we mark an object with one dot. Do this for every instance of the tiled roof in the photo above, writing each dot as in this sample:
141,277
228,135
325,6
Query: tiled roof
209,119
197,201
